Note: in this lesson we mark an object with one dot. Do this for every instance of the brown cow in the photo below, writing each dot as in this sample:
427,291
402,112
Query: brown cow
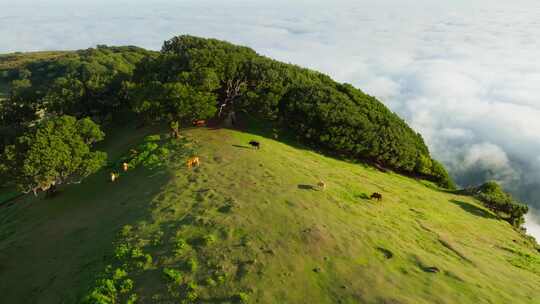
194,161
199,123
376,196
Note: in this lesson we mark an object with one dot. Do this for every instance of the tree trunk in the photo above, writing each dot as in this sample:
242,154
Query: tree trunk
175,129
232,91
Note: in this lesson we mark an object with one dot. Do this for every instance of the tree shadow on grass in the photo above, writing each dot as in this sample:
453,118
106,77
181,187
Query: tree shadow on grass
240,146
363,196
219,300
474,209
306,187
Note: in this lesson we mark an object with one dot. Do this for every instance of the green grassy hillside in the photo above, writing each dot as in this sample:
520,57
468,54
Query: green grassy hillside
17,60
249,226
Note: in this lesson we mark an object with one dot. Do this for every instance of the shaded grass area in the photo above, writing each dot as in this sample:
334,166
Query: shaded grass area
251,226
8,195
50,250
4,89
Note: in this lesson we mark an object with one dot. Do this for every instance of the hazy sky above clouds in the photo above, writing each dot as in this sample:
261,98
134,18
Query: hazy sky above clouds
466,74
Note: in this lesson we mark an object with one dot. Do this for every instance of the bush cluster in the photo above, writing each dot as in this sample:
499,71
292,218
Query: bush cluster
496,199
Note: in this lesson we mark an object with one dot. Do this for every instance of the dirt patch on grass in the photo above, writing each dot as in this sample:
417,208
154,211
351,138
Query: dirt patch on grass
317,239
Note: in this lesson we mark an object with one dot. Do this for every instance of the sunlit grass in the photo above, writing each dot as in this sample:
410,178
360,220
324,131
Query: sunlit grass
246,226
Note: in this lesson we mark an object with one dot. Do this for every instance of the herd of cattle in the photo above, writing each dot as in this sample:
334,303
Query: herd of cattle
195,161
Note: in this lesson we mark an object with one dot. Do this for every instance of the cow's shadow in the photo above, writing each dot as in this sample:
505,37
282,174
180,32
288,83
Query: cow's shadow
240,146
306,187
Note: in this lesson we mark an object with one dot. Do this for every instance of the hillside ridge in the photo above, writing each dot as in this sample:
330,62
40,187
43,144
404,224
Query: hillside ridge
250,225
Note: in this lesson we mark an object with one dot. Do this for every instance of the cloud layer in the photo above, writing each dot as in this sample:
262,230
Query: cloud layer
466,74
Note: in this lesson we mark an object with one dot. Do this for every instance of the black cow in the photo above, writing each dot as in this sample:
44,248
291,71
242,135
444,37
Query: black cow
255,144
376,196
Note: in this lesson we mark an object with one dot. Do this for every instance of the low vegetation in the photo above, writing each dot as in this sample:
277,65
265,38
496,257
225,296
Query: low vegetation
502,203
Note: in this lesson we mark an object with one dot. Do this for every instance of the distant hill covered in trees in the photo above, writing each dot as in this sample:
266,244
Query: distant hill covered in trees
196,78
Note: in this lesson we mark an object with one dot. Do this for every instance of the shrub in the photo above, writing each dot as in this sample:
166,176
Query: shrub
150,154
441,176
126,230
103,293
180,246
209,239
210,282
241,297
496,199
122,251
221,278
193,264
132,299
119,274
126,286
136,253
157,238
192,296
173,275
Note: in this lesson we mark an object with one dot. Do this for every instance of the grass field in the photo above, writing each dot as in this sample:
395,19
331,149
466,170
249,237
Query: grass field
16,60
250,226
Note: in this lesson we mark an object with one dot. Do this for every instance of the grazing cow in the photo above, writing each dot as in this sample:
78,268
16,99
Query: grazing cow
199,123
321,185
255,144
114,176
125,166
194,161
376,196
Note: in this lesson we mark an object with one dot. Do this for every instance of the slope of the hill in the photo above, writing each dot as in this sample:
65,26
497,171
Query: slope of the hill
249,226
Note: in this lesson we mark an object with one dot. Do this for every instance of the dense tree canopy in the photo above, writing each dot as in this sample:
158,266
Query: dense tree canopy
56,151
83,83
198,77
194,78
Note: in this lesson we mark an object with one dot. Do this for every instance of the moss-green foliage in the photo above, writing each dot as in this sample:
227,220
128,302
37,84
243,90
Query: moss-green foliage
195,78
319,110
113,286
175,102
154,152
54,152
82,83
241,297
150,153
501,202
173,275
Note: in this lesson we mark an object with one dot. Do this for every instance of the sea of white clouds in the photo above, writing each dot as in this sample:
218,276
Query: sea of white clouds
465,74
